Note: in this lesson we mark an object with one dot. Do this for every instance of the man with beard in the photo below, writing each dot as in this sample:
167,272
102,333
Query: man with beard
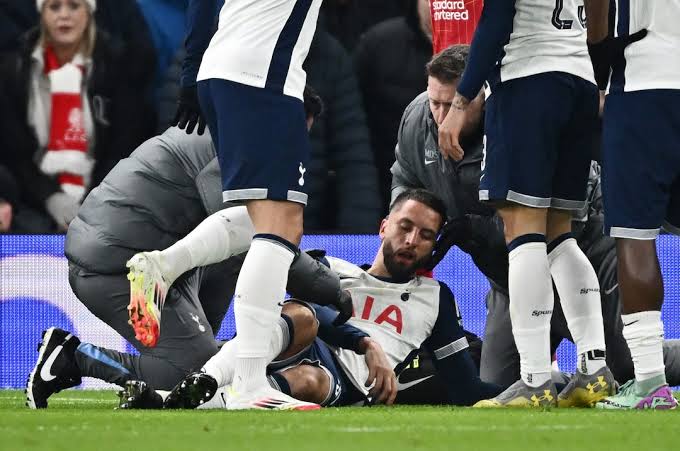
397,309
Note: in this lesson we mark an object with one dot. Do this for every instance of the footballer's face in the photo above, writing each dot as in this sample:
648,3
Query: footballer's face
408,235
440,96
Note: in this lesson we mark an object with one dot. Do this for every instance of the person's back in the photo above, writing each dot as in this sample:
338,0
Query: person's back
653,62
149,200
251,55
547,36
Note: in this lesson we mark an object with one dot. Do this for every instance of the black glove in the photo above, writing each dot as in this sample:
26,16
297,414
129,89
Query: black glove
344,307
188,113
605,53
453,231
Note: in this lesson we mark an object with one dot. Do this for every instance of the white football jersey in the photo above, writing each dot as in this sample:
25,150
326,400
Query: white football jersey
399,316
547,36
654,61
262,43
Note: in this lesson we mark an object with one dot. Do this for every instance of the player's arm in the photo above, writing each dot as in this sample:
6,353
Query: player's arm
449,349
492,33
343,336
597,12
381,377
201,18
311,279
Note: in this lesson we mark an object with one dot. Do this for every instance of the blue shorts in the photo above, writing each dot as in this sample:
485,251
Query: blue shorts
539,141
261,140
342,392
641,163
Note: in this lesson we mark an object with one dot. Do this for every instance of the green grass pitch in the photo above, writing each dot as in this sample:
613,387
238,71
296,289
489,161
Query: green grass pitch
85,420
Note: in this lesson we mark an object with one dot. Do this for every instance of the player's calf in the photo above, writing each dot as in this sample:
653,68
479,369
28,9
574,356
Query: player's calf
306,382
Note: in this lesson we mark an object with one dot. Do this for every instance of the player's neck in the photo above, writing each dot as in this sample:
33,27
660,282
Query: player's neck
378,268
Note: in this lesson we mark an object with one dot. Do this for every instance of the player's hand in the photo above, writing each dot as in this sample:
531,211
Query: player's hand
452,233
606,52
380,374
345,308
188,114
451,127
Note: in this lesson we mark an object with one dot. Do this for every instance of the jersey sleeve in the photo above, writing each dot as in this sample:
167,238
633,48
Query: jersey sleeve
493,32
201,25
449,349
343,336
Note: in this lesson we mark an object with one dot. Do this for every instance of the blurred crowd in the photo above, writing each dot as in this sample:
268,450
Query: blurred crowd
119,64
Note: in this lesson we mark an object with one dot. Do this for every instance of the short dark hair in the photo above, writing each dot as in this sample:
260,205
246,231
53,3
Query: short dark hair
423,196
313,103
448,65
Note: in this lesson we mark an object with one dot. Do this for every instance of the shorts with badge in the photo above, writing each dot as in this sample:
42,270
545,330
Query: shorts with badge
261,140
539,141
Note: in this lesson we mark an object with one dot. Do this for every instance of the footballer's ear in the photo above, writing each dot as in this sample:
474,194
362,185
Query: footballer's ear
383,226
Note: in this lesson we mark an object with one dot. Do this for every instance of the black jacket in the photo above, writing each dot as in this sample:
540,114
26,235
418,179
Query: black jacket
343,184
390,60
120,123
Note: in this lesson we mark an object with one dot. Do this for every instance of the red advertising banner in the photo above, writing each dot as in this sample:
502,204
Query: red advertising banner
454,22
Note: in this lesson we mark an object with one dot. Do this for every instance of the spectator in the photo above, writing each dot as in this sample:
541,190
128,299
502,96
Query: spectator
347,202
70,110
125,25
390,59
346,20
9,194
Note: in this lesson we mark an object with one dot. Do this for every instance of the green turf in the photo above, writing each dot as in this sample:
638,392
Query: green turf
85,420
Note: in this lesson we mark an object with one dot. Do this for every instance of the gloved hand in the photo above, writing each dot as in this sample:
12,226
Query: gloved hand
344,307
188,114
605,53
62,208
453,231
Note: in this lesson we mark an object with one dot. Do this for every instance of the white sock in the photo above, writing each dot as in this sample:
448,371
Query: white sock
221,235
579,292
531,304
644,333
260,288
221,365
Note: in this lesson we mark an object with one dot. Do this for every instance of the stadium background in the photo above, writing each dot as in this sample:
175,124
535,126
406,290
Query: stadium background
35,294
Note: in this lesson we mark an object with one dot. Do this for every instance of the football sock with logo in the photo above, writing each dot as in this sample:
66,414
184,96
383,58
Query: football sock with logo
531,304
579,292
260,288
643,332
221,235
221,365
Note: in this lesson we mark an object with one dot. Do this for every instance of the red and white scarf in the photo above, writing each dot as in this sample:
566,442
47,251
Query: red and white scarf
66,154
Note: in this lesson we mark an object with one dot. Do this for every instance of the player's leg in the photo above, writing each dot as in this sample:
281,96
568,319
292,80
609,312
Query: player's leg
186,345
641,164
573,274
293,334
524,123
220,236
